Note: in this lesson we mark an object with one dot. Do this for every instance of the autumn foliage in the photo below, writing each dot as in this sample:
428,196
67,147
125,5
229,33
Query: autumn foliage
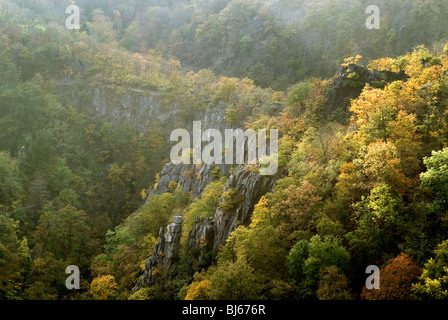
361,183
396,280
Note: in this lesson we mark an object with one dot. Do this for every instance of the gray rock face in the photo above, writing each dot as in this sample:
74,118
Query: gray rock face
249,188
165,255
145,109
191,178
201,238
209,234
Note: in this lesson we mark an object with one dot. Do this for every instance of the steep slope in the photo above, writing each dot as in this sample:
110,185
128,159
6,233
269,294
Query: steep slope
208,234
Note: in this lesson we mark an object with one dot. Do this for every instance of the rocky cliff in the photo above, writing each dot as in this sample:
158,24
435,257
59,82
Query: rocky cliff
143,109
207,234
191,178
165,254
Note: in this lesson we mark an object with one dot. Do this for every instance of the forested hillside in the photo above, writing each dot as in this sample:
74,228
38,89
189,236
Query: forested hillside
85,171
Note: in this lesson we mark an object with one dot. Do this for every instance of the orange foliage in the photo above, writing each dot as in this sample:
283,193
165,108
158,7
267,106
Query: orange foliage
395,280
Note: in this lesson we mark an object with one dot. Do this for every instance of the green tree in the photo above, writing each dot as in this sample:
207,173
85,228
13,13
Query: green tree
155,214
66,235
22,113
205,206
307,259
8,70
435,179
263,251
47,280
14,259
380,221
101,27
433,282
11,189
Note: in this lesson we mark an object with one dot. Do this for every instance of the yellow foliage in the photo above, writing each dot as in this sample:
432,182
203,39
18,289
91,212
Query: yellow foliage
351,60
382,164
103,288
389,64
261,212
198,290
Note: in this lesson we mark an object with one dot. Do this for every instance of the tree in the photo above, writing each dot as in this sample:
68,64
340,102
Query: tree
205,206
154,214
396,280
294,211
103,288
234,281
379,220
333,285
435,179
373,111
46,280
119,236
408,143
307,259
262,249
23,111
65,234
433,282
14,258
11,189
10,74
382,165
101,27
351,183
434,187
199,290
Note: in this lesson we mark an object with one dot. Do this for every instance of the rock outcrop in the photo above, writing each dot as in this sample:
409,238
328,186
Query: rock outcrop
249,187
208,234
349,83
145,109
165,255
201,238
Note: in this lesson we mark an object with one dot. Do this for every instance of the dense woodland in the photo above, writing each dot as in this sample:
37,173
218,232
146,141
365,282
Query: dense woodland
365,185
